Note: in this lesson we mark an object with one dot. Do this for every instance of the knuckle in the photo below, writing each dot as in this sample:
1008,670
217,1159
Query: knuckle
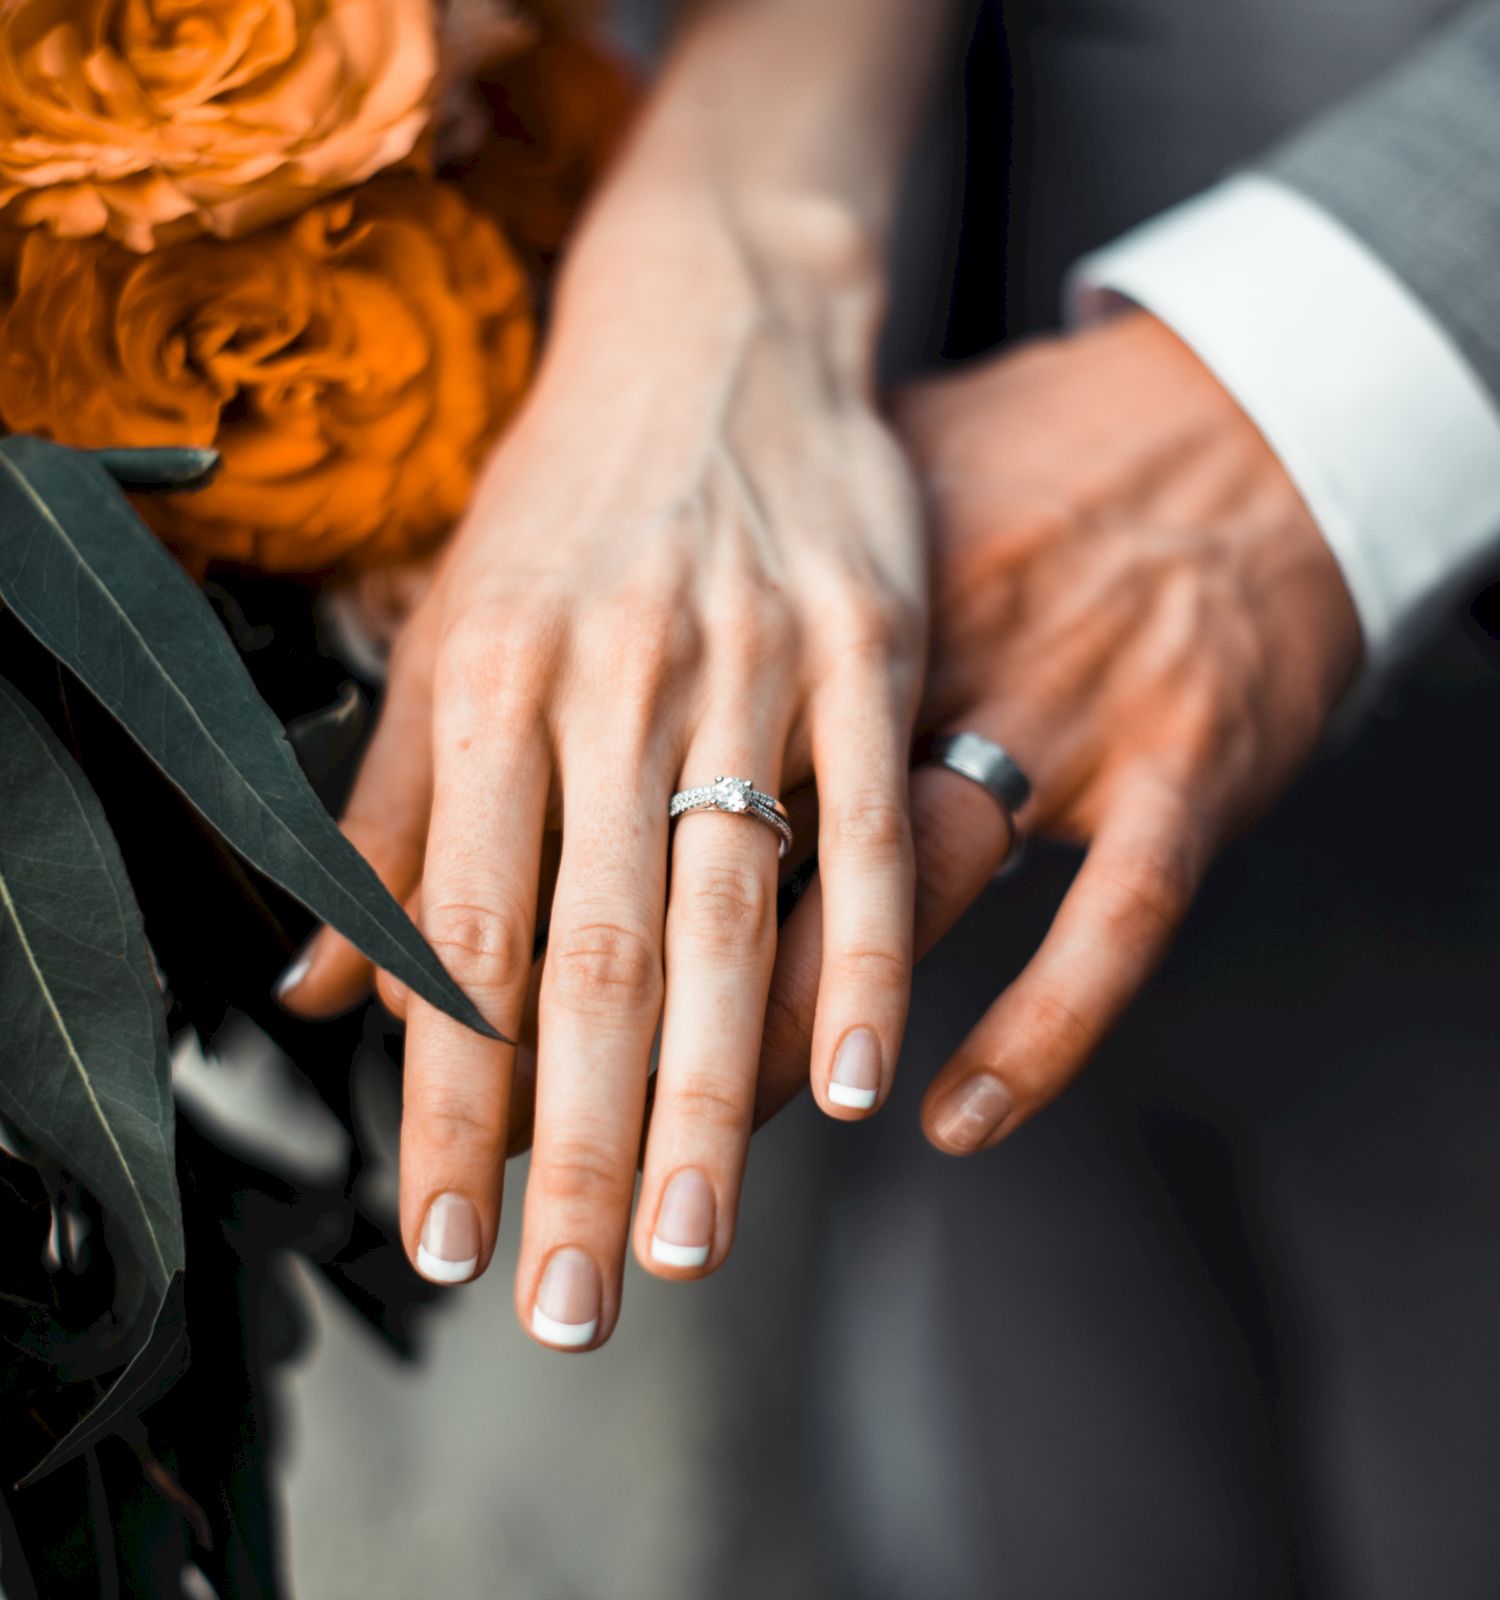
872,967
581,1171
473,648
487,651
482,946
752,626
452,1118
867,827
1150,894
710,1104
603,966
1211,725
877,624
725,905
644,624
633,653
1055,1028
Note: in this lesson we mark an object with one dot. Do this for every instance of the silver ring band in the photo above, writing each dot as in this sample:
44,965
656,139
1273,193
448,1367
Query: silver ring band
988,764
737,797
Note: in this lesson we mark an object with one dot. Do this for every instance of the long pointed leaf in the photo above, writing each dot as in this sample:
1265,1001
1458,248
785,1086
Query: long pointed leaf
159,467
85,576
85,1072
154,1368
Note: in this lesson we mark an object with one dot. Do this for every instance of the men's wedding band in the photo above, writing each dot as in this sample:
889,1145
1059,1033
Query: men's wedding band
986,763
738,797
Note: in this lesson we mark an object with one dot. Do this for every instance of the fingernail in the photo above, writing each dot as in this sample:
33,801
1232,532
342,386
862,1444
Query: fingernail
294,974
973,1112
685,1223
566,1313
855,1080
449,1251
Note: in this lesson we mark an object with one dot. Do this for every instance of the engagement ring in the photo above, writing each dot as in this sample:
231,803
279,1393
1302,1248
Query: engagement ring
740,798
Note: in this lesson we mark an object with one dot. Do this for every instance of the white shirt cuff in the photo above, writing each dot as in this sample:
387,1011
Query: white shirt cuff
1388,434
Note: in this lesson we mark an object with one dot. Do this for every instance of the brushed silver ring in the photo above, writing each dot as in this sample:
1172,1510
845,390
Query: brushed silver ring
998,773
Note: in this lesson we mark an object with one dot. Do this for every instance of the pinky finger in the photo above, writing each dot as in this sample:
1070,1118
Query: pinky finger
392,993
386,821
1109,935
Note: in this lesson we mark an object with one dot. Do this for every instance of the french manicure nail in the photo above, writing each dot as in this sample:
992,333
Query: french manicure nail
294,974
685,1223
855,1079
973,1112
449,1251
566,1313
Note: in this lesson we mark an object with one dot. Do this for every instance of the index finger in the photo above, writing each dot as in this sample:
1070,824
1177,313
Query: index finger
1110,933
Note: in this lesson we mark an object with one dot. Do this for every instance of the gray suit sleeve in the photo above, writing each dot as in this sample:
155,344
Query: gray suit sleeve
1412,166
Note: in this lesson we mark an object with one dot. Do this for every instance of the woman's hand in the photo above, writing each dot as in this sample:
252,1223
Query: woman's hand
696,554
1129,596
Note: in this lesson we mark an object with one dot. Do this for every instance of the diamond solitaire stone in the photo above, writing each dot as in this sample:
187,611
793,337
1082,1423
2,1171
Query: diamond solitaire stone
738,796
731,794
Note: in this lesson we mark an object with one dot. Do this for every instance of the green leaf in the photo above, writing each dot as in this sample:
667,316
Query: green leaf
174,467
85,576
154,1368
85,1073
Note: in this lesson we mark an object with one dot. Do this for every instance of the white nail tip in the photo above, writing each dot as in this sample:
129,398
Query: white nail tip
435,1269
566,1335
856,1099
678,1255
293,975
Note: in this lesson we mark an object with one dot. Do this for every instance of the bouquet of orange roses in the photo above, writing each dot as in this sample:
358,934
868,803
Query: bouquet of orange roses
224,226
270,279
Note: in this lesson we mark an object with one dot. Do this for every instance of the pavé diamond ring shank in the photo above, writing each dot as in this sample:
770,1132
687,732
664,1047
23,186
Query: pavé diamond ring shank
740,798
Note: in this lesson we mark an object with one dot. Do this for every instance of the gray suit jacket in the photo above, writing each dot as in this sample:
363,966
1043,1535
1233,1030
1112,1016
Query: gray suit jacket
1412,165
1385,112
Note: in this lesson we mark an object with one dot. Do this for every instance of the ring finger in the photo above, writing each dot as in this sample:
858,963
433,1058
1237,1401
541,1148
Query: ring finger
720,944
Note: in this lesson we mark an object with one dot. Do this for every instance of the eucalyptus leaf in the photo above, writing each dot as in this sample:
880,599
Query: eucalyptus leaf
85,1074
73,1354
87,579
155,1367
161,467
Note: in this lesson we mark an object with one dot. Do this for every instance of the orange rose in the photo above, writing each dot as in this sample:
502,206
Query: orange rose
147,119
555,116
351,365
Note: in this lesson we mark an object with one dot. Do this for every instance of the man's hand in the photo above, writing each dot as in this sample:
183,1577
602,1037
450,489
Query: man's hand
1131,597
